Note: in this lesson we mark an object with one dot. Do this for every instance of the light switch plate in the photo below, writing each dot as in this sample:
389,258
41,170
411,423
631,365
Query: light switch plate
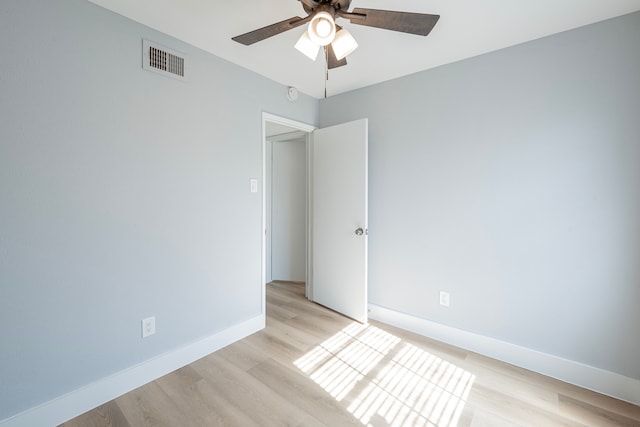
254,185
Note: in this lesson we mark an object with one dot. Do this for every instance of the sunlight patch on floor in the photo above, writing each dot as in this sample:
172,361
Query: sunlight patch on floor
381,378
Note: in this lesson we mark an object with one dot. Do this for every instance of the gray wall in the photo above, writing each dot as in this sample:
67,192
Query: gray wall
512,180
289,210
123,194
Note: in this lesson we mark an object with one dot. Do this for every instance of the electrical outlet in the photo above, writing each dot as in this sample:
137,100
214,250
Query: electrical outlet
444,298
148,326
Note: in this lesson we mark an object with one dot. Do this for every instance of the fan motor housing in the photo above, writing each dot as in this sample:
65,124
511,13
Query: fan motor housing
334,4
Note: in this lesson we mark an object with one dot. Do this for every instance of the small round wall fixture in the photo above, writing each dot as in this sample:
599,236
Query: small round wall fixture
292,93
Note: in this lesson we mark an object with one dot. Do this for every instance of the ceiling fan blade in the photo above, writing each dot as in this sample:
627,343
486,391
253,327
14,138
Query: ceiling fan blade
270,30
332,61
406,22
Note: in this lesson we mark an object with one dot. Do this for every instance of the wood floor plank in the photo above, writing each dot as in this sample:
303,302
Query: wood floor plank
216,408
295,290
185,387
280,313
303,393
322,325
598,401
286,332
594,416
107,415
243,355
484,418
519,412
436,347
543,398
247,394
274,347
149,406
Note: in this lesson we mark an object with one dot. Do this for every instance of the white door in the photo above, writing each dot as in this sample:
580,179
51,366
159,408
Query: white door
339,218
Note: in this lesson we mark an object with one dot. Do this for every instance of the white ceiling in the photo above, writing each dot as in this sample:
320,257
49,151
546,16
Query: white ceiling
466,28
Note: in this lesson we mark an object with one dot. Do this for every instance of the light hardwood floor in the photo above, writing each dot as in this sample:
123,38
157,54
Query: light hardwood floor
313,367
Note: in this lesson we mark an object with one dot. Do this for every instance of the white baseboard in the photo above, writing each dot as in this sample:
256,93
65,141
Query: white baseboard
72,404
596,379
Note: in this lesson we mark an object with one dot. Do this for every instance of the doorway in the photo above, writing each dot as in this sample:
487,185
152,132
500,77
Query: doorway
286,200
335,241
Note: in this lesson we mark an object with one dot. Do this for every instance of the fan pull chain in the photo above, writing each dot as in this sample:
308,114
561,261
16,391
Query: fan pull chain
326,70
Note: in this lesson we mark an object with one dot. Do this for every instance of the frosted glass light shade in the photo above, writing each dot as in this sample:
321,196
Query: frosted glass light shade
307,46
343,44
322,28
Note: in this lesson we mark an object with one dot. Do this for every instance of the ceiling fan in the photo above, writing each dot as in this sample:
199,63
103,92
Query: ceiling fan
337,41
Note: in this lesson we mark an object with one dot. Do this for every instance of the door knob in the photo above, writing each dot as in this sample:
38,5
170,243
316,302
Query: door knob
359,231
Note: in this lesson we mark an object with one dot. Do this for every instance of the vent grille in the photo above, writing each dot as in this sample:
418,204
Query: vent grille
165,61
162,60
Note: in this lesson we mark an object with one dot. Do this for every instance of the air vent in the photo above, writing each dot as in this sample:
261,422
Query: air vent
162,60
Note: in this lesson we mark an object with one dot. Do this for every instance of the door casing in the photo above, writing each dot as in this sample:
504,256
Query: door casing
307,128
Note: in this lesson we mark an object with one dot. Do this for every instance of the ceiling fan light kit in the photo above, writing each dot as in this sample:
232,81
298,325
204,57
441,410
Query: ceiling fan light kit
323,31
306,46
343,44
322,28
